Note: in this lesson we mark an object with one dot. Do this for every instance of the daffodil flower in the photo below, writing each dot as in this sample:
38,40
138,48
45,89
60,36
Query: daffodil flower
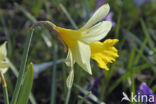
3,53
83,44
78,40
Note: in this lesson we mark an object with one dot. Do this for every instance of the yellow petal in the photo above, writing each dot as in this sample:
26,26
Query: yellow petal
97,32
97,16
104,53
81,55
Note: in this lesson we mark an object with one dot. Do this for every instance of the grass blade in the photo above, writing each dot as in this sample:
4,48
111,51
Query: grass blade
128,74
15,72
45,35
91,96
53,84
147,35
26,87
68,16
22,68
136,39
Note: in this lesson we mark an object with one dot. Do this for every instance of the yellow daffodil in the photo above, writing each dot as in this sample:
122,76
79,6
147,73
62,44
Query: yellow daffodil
83,44
3,53
78,40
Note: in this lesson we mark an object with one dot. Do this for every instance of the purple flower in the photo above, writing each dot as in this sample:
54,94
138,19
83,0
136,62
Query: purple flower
140,2
107,18
100,3
144,90
110,14
93,85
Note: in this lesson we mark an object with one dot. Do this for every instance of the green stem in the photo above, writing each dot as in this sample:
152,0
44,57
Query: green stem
22,68
133,84
4,85
118,26
5,92
68,95
53,86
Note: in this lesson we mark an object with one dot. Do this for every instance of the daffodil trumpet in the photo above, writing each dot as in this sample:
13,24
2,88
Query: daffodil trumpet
84,43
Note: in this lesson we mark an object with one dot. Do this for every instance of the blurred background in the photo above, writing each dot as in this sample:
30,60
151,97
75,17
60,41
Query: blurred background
134,24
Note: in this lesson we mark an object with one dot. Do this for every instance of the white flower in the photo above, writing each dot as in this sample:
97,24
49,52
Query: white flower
3,53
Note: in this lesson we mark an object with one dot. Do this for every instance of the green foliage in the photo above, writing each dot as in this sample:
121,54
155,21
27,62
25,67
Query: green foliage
22,68
27,86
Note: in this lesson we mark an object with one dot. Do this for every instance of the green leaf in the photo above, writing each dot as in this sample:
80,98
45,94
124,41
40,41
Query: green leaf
16,73
22,68
26,87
